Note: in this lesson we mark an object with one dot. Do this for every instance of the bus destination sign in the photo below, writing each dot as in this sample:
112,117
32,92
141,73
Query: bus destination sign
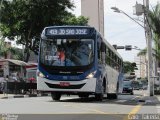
67,31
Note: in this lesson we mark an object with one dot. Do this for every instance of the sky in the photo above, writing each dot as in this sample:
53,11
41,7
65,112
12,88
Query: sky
120,29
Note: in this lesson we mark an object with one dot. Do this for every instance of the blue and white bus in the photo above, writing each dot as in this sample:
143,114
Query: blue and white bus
77,60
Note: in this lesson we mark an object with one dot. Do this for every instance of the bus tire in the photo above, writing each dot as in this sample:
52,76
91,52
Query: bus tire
55,96
99,96
83,95
112,96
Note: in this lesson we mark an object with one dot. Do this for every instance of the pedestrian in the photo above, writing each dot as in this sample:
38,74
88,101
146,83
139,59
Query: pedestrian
32,80
7,79
4,88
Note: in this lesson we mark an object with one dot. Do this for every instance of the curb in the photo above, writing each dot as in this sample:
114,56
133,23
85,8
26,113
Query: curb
148,100
25,96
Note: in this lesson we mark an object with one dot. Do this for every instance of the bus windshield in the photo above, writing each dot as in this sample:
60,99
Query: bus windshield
67,52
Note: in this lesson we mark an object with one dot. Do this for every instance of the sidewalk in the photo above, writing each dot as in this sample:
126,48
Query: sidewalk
150,100
7,96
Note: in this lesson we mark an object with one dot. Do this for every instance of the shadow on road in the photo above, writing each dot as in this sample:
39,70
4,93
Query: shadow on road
122,100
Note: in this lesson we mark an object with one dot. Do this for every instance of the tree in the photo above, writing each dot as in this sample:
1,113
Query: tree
25,19
15,52
142,52
154,22
129,67
81,20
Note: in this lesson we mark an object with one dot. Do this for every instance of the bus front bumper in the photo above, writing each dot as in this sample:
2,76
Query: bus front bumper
86,85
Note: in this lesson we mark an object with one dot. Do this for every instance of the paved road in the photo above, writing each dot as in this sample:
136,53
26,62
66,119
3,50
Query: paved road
74,107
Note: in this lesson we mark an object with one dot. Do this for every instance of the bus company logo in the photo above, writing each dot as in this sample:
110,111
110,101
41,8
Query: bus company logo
8,117
64,72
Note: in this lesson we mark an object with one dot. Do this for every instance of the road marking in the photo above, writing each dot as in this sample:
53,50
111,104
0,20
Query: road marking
133,111
91,111
158,109
84,108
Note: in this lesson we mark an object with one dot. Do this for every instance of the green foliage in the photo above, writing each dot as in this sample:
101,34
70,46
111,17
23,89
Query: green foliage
25,19
15,52
81,20
129,67
154,19
154,22
157,46
142,52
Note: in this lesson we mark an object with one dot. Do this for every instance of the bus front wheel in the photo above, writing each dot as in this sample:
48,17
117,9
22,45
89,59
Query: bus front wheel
55,96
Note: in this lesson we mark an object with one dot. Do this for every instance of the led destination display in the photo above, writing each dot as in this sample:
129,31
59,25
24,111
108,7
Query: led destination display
67,31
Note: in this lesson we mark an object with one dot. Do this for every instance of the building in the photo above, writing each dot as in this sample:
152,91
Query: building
94,10
142,66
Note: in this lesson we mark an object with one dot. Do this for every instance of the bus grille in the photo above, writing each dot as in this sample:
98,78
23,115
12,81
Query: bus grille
65,87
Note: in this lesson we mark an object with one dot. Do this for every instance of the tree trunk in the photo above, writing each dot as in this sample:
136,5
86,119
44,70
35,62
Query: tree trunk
26,53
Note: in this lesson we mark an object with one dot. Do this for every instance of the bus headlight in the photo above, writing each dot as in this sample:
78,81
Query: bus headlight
39,74
91,75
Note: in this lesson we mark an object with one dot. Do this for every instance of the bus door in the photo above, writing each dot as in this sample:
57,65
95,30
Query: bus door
101,50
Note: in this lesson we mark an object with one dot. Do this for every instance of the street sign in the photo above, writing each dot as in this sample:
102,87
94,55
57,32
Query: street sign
128,47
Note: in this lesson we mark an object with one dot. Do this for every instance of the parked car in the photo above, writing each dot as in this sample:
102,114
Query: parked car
135,85
127,87
145,87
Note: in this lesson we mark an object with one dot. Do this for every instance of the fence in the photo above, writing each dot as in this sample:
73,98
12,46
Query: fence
21,87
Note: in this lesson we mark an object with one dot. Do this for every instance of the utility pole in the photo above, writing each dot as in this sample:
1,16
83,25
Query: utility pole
140,9
149,47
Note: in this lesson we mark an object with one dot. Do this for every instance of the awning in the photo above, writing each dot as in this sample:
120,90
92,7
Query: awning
17,62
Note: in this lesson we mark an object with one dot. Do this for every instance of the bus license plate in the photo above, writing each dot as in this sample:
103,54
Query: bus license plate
64,84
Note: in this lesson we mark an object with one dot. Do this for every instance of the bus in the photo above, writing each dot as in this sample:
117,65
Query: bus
77,60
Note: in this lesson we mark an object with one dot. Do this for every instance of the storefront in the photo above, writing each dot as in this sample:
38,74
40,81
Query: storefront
15,69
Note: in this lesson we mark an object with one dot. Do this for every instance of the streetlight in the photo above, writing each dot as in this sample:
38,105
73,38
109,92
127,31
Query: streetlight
120,11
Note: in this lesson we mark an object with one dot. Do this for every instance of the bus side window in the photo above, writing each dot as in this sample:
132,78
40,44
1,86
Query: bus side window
103,50
108,57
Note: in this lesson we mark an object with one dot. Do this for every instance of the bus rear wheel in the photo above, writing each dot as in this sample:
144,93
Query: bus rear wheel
112,96
55,96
